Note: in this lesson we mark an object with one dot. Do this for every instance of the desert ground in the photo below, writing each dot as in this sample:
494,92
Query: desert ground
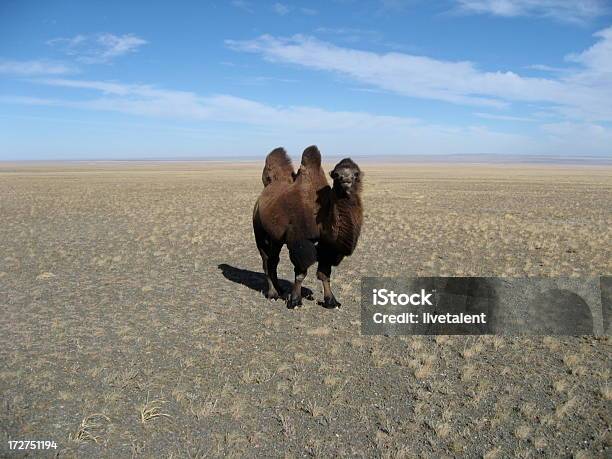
133,325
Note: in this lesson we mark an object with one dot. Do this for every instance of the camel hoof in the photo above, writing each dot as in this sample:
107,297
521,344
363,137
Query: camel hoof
272,295
331,303
294,302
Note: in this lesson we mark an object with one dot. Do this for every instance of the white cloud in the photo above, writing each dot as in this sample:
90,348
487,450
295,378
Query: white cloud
405,74
585,92
262,80
152,101
280,8
309,11
580,138
119,45
562,10
547,68
98,49
68,44
33,67
598,58
350,34
342,132
493,116
243,5
106,87
397,5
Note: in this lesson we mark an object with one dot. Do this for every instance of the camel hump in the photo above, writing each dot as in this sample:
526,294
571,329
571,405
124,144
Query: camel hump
311,157
278,167
278,156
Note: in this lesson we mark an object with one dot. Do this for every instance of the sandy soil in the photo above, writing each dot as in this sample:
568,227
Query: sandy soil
132,321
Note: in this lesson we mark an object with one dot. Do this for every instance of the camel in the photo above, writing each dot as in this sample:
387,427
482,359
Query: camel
285,213
339,219
314,220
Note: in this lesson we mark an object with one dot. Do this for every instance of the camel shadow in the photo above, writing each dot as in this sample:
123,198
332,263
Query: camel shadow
257,281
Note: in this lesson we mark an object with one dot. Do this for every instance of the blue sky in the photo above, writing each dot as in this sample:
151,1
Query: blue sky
119,80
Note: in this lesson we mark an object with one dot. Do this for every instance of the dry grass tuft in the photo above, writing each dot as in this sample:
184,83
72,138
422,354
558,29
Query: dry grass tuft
319,331
238,408
247,377
571,360
561,385
380,358
313,409
338,393
468,372
540,443
493,453
152,410
443,429
204,409
331,380
528,410
286,425
606,392
551,343
498,342
565,409
442,339
88,427
522,432
472,351
423,371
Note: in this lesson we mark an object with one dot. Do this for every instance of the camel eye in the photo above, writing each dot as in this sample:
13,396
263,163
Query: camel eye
355,174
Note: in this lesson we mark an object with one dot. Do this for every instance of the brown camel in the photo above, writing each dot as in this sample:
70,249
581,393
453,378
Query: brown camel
301,209
286,213
339,219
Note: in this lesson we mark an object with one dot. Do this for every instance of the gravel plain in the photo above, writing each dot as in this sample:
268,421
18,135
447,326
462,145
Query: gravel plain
133,323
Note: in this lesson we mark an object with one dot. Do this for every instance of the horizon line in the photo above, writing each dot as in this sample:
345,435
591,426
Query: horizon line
487,158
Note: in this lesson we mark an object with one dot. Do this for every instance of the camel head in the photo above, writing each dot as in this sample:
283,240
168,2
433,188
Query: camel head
347,177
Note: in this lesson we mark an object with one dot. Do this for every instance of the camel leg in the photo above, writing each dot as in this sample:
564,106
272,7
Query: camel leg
270,292
327,257
270,258
295,299
273,259
323,274
302,253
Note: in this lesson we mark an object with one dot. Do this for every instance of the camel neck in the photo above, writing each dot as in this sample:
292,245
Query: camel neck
346,219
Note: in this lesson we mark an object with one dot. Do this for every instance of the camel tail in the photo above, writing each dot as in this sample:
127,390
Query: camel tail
303,254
